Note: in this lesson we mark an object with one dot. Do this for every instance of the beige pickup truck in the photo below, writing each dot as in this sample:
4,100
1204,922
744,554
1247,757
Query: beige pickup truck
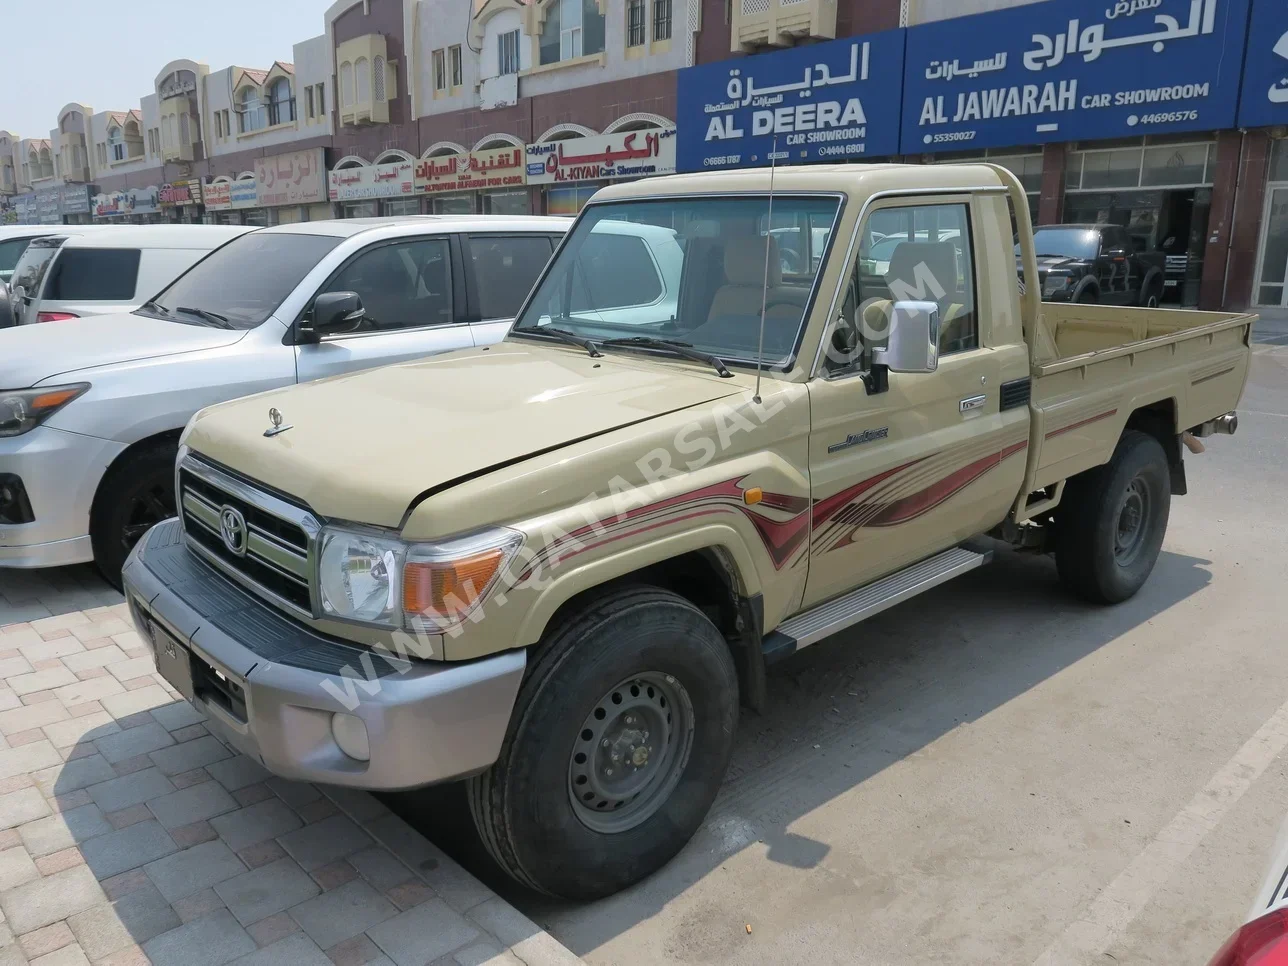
558,566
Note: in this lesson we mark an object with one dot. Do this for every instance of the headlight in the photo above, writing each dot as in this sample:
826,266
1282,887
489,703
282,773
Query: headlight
1056,283
22,410
358,577
383,581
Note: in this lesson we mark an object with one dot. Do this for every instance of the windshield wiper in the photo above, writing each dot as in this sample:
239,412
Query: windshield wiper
563,335
685,349
156,308
213,318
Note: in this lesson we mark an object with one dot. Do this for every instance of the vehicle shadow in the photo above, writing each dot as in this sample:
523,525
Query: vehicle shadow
28,595
843,711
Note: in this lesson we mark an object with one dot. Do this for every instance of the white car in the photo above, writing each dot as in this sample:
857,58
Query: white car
91,409
104,273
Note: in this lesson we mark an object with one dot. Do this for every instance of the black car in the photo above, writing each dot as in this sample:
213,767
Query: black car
1096,263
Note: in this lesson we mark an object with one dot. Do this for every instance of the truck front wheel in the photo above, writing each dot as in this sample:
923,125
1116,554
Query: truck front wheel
1111,522
619,741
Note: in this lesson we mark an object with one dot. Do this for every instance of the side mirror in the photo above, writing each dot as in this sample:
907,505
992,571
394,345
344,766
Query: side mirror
333,312
913,342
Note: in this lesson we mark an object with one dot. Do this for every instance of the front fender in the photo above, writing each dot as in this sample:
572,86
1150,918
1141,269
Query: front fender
565,583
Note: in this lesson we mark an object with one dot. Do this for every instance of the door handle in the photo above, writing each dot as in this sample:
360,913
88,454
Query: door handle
973,403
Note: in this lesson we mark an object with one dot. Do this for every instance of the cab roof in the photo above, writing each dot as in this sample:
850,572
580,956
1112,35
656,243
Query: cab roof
847,178
348,227
155,236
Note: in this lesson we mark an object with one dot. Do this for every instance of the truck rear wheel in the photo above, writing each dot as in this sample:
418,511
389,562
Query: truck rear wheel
619,741
1112,520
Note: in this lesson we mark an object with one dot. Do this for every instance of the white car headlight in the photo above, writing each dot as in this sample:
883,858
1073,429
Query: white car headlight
22,410
359,577
387,582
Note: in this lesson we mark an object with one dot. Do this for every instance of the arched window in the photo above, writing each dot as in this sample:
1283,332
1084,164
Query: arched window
185,131
46,163
250,108
115,144
362,75
378,78
346,84
281,105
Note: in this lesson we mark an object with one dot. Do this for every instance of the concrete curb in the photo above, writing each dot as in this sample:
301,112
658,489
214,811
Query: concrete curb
527,941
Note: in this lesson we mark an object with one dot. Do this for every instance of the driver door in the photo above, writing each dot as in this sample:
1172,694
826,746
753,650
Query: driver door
901,474
412,291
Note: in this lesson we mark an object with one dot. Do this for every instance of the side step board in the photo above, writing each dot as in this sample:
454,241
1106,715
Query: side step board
858,605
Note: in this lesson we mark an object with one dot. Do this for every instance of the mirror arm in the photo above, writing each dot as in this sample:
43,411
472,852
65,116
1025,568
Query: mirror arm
877,379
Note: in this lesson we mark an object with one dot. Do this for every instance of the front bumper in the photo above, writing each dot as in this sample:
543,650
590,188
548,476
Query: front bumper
270,686
60,473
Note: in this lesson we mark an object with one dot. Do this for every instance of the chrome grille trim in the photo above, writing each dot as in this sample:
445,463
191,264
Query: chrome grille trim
264,549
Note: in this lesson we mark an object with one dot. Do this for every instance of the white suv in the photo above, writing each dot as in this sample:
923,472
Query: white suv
102,273
91,409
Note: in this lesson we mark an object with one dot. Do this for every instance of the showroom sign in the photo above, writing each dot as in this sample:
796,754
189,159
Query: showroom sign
1074,70
372,181
298,178
633,154
473,171
836,101
1265,74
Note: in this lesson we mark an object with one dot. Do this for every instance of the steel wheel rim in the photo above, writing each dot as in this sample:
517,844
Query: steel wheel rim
1133,512
1152,302
630,752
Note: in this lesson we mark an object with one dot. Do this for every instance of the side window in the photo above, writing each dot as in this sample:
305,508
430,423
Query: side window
614,272
908,253
505,268
402,285
93,275
10,252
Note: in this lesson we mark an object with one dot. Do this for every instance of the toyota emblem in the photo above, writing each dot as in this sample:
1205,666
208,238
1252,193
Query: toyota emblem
232,527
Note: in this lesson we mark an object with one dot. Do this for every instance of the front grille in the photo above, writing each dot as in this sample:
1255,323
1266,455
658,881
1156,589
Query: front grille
276,557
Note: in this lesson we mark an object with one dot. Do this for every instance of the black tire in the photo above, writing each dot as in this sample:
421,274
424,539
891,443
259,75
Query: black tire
523,805
135,493
1088,296
1096,558
1152,297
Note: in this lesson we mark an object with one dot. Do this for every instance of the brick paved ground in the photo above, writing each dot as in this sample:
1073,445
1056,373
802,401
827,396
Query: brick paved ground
129,834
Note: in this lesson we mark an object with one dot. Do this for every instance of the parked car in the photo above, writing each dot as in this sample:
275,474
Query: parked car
1096,263
14,240
6,310
1262,940
91,409
557,567
110,272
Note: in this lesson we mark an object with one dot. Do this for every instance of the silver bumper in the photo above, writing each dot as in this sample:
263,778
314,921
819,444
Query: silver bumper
270,687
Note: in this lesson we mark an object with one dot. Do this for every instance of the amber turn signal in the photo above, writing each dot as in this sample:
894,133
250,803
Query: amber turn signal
449,589
753,496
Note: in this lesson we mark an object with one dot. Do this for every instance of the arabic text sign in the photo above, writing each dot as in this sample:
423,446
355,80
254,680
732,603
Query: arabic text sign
217,195
372,181
244,193
833,101
474,171
630,154
1072,70
298,178
1265,74
132,201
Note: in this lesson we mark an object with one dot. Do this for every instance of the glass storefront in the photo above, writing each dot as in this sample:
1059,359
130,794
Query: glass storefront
391,207
461,204
1272,254
1160,192
569,201
360,209
1024,163
513,202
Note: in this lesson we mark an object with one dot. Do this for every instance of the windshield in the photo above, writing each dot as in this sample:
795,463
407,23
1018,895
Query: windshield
242,284
1068,242
691,270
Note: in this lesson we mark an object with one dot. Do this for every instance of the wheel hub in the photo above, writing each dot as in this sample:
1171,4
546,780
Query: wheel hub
1132,514
630,752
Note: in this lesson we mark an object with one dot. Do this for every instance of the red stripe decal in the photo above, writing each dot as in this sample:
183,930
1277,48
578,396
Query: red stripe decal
1078,425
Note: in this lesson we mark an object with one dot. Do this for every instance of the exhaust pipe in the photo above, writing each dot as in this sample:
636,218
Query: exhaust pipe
1226,425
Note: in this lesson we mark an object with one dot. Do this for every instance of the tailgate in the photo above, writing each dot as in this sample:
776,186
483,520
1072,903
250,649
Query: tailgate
1109,362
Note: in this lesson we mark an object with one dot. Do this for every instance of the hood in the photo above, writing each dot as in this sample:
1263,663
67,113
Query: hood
1050,263
30,354
363,447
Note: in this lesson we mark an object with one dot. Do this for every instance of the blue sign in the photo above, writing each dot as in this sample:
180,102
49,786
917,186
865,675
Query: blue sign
1069,70
1265,74
837,101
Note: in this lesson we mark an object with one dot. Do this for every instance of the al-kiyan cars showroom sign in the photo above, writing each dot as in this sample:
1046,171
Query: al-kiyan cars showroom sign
826,102
1073,70
630,154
